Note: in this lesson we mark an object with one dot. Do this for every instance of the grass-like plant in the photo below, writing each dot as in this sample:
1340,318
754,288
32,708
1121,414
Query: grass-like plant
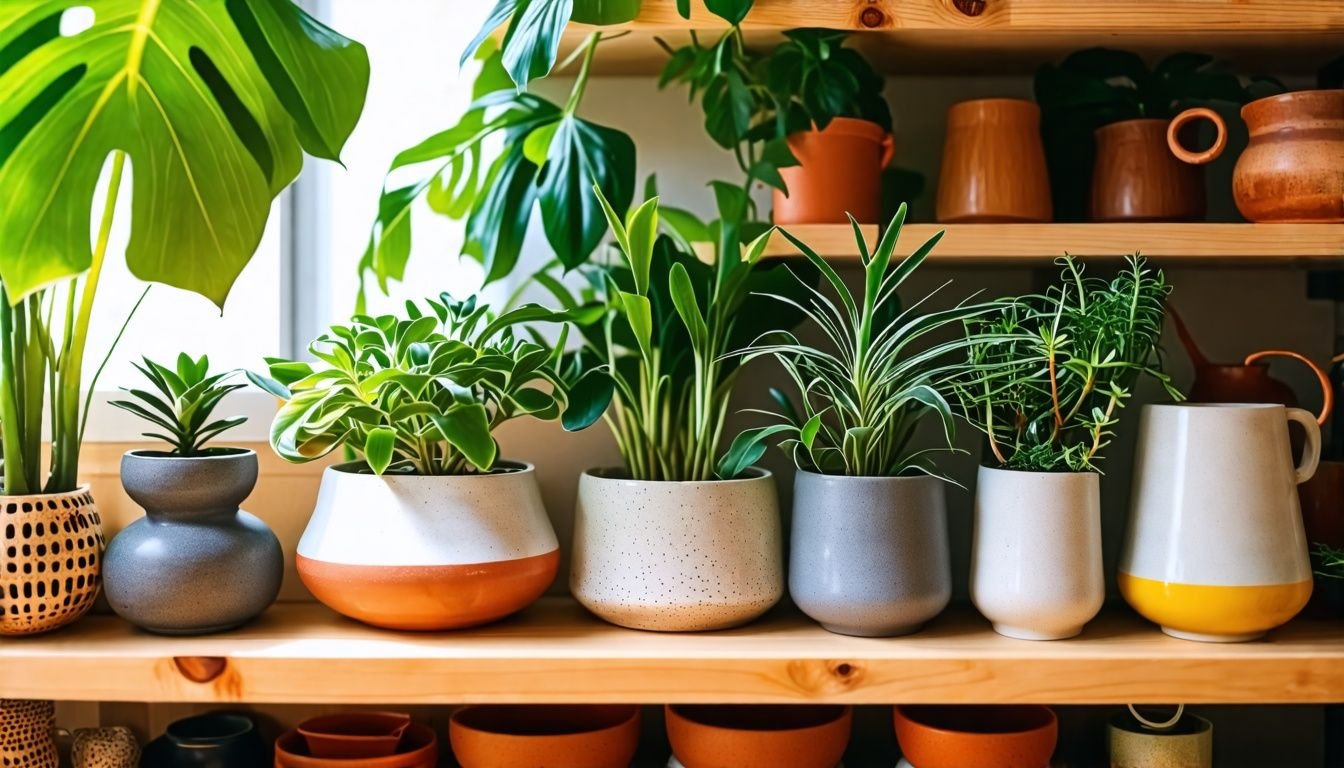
420,394
1328,561
880,372
182,403
1049,373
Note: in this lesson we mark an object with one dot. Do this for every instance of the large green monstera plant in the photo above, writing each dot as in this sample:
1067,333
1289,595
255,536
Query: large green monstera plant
209,105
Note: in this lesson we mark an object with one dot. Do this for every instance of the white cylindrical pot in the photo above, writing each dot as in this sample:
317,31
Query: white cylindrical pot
427,552
1036,570
677,556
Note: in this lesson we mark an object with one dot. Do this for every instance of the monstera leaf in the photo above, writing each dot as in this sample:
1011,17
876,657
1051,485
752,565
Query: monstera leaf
213,101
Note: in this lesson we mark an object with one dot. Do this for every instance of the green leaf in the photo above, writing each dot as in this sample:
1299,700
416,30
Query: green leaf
639,314
641,232
467,428
582,154
501,13
378,448
538,144
588,399
212,102
731,11
683,298
684,8
533,38
747,448
605,11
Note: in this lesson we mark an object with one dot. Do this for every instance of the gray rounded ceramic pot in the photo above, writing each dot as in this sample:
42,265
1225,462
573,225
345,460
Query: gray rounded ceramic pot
195,563
869,555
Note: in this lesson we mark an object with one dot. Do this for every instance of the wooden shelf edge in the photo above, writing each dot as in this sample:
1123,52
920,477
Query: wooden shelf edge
555,653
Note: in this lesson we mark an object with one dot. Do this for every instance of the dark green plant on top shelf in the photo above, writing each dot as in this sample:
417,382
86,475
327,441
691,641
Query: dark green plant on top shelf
181,404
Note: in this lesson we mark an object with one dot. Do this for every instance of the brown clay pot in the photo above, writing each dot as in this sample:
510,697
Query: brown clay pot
600,736
419,748
1019,736
727,736
1293,168
993,163
354,735
1137,178
839,172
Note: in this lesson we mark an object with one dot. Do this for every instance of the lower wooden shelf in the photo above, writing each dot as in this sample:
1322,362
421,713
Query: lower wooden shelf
555,652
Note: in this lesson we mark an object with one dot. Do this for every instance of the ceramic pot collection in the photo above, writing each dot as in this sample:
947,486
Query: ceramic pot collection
53,545
195,563
993,164
839,174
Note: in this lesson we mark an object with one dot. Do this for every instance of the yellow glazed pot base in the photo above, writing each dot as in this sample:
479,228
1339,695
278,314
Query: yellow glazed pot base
1217,614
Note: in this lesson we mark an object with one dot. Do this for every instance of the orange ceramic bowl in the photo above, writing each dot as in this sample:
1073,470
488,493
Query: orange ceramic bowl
354,734
726,736
419,748
556,736
974,736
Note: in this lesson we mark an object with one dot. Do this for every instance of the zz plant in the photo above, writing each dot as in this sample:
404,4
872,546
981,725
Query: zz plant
1048,374
181,404
421,394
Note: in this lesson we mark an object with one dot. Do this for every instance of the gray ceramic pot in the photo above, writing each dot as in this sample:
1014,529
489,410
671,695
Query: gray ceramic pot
195,563
869,555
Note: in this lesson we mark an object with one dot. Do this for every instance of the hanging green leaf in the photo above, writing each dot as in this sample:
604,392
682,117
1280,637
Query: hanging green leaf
605,11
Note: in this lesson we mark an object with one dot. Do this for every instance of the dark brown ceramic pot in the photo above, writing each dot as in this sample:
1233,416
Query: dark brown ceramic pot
1293,167
1137,178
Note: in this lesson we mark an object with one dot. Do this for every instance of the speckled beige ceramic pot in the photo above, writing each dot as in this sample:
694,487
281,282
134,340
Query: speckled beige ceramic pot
677,556
1189,744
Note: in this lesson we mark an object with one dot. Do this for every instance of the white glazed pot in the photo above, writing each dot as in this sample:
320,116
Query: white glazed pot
1036,570
425,552
677,556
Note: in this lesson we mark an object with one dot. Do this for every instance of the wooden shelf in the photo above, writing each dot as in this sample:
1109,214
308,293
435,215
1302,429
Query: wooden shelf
1006,36
555,652
1227,245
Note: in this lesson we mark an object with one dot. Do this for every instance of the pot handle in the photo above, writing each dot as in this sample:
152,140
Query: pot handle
1208,155
1311,454
888,150
1327,389
1156,726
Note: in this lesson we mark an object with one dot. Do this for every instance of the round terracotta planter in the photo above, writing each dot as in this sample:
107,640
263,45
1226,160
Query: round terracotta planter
839,174
420,552
560,736
729,736
677,556
963,736
52,547
419,748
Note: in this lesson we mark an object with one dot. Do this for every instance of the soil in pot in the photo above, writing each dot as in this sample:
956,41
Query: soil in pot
964,736
556,736
734,736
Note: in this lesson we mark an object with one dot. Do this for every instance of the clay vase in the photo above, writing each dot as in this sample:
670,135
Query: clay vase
963,736
1186,741
112,747
1215,549
559,736
744,736
354,735
839,174
53,548
428,552
213,740
993,164
419,748
1137,178
27,734
1293,168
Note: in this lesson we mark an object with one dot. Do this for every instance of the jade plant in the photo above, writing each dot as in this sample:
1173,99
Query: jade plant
1047,374
881,370
182,401
420,394
205,110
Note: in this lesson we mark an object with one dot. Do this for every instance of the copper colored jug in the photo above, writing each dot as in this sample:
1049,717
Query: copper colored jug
993,163
1293,168
1137,178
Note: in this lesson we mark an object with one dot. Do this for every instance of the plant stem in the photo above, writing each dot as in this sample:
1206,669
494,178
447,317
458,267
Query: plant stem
581,82
16,482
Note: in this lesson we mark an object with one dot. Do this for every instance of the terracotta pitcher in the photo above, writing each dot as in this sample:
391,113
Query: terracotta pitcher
1137,178
993,163
1293,168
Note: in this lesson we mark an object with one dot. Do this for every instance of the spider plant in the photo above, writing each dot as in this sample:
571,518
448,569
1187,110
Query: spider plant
862,393
182,403
1328,561
1049,373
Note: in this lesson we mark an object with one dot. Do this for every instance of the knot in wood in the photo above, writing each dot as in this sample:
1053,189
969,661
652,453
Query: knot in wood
201,669
970,7
821,676
872,17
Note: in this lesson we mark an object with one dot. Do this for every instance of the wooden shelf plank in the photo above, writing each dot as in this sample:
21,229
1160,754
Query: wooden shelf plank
555,652
926,36
1016,244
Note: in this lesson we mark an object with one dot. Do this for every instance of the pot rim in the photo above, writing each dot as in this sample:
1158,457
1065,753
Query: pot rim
1024,472
757,474
848,126
845,712
903,712
149,454
1193,406
1306,93
80,489
799,471
1125,722
632,715
241,726
516,469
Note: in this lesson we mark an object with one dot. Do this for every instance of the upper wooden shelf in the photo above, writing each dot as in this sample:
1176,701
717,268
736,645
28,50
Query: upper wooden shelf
1226,245
555,652
1001,36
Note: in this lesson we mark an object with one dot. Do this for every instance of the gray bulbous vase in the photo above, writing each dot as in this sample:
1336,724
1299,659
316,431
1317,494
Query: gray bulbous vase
869,556
195,563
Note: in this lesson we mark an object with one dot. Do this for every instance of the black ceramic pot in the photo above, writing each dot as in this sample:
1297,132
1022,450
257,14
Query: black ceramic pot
215,740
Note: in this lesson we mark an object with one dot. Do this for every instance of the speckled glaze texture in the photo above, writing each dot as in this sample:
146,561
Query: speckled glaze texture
1188,745
1036,570
869,555
677,556
195,563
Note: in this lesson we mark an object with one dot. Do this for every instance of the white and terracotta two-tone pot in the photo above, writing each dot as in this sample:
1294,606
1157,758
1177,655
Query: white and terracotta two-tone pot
428,552
677,556
1036,570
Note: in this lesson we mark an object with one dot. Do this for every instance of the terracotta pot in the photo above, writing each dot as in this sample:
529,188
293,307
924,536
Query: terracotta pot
993,163
839,174
27,734
354,735
419,749
965,736
1293,167
560,736
423,552
1136,177
728,736
54,577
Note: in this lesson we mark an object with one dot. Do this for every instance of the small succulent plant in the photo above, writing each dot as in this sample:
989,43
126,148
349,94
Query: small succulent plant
182,404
